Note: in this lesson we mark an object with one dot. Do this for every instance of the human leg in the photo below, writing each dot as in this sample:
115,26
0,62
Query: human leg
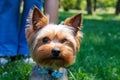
28,4
9,18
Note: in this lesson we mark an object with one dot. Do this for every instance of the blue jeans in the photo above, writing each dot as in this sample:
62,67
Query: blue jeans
12,27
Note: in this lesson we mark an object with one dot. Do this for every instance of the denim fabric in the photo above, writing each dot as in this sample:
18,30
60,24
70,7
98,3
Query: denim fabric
12,38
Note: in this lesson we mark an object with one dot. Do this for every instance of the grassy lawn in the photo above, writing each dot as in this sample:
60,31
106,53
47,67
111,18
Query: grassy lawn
99,56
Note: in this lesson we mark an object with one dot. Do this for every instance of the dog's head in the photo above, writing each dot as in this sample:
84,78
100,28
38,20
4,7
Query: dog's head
53,46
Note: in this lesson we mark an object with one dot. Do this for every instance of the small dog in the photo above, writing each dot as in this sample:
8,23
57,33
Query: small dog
53,47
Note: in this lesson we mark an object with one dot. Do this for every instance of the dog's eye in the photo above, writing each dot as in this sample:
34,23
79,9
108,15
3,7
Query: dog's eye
64,40
45,40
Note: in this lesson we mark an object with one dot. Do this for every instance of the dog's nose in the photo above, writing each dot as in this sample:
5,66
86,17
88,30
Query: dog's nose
55,52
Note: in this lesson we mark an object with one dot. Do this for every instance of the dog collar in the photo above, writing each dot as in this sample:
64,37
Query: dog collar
55,73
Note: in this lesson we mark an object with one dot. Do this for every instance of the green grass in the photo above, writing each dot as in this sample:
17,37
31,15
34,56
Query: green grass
15,71
99,56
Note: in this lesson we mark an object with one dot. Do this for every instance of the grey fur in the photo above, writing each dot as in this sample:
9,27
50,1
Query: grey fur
35,75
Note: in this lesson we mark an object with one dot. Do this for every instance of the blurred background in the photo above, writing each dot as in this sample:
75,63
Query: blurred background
99,55
92,6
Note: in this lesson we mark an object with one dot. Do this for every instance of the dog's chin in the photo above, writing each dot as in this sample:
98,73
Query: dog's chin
54,63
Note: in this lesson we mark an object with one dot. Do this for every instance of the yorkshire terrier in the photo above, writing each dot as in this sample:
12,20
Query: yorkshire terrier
53,47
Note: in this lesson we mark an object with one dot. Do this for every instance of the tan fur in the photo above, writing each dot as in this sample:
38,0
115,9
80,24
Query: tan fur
76,21
38,19
42,52
66,38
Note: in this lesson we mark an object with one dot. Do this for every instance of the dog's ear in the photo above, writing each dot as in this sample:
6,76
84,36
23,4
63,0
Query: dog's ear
36,20
75,22
39,20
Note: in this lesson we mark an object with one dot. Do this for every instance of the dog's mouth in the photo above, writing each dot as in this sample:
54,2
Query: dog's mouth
53,62
56,58
53,58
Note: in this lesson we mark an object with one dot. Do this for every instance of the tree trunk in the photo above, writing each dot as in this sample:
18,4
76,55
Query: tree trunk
117,7
95,5
89,7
